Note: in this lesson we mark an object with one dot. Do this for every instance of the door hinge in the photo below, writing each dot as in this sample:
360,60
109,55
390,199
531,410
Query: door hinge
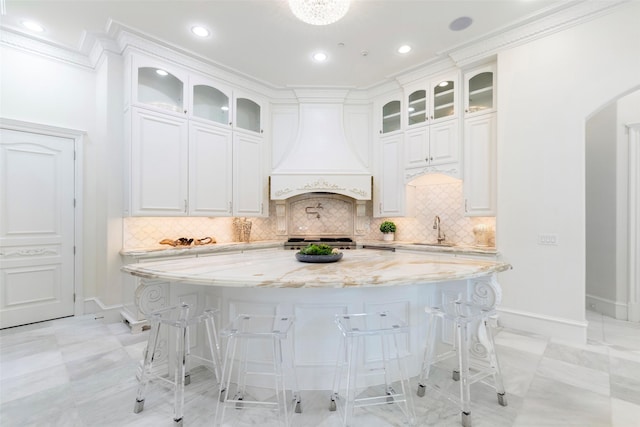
74,203
74,250
74,297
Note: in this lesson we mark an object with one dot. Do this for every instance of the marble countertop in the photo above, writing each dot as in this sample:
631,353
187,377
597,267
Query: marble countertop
221,248
279,269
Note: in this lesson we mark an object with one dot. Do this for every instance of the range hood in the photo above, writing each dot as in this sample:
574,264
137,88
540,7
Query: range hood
319,157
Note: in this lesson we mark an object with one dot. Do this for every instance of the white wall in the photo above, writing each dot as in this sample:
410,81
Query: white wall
546,90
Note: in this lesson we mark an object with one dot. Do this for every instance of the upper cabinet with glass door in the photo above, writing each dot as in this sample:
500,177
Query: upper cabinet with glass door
158,87
432,101
248,114
480,92
390,111
210,101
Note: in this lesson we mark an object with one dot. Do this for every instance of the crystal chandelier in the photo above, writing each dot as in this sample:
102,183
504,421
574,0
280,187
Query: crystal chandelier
319,12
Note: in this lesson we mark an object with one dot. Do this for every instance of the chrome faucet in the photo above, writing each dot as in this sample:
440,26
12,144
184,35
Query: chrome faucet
436,226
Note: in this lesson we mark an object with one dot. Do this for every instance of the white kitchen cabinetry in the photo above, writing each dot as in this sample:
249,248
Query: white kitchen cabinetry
389,114
248,176
189,144
433,145
159,159
479,90
389,187
432,100
432,137
210,170
480,165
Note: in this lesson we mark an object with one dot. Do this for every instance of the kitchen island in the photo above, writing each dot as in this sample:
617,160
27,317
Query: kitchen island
272,281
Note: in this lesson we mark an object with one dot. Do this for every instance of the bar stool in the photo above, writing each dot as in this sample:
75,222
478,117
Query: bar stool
249,332
181,319
386,328
467,319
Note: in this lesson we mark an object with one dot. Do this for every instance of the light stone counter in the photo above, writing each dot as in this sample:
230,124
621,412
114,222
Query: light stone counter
273,282
280,269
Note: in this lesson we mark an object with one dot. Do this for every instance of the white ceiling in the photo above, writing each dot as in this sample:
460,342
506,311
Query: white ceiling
262,39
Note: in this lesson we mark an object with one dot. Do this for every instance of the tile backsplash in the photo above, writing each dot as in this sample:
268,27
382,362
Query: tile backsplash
336,216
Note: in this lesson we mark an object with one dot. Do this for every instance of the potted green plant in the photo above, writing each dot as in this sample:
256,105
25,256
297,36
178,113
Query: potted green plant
388,229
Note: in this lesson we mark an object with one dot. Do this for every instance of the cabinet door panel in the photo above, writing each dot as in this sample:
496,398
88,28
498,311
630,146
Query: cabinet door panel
443,142
417,148
390,186
248,175
210,170
159,164
480,166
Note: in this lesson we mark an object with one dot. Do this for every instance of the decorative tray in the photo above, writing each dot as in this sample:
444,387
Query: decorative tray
319,258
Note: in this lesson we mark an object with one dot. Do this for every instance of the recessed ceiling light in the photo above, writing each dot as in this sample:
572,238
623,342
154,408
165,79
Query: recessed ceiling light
33,26
200,31
404,49
460,24
161,72
320,57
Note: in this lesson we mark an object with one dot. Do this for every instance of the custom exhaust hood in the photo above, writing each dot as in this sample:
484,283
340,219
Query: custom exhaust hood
319,157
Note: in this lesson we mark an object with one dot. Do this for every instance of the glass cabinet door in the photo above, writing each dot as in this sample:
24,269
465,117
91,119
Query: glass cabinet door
417,107
443,99
391,116
480,92
248,115
159,88
211,104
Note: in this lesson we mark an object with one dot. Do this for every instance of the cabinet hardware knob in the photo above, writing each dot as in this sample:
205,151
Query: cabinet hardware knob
466,110
230,123
261,130
431,159
380,131
185,111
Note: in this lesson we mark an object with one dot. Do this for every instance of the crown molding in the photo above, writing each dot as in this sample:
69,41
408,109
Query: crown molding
130,39
525,32
18,40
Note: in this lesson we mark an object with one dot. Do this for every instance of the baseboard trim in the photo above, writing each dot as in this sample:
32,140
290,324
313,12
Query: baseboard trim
111,313
610,308
554,327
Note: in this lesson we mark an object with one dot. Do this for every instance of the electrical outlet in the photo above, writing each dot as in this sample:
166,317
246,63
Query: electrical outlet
548,239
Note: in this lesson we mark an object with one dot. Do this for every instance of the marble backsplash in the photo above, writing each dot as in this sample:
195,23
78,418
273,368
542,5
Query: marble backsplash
442,199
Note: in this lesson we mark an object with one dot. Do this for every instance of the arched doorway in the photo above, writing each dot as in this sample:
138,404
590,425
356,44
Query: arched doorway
613,209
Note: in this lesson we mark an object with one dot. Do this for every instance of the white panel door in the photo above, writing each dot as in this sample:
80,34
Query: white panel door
210,170
36,227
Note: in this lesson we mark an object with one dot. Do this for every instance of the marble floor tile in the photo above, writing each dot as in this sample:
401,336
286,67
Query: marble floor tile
553,403
530,343
80,372
578,376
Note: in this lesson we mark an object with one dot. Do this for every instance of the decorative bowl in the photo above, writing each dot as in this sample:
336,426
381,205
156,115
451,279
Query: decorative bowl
318,258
